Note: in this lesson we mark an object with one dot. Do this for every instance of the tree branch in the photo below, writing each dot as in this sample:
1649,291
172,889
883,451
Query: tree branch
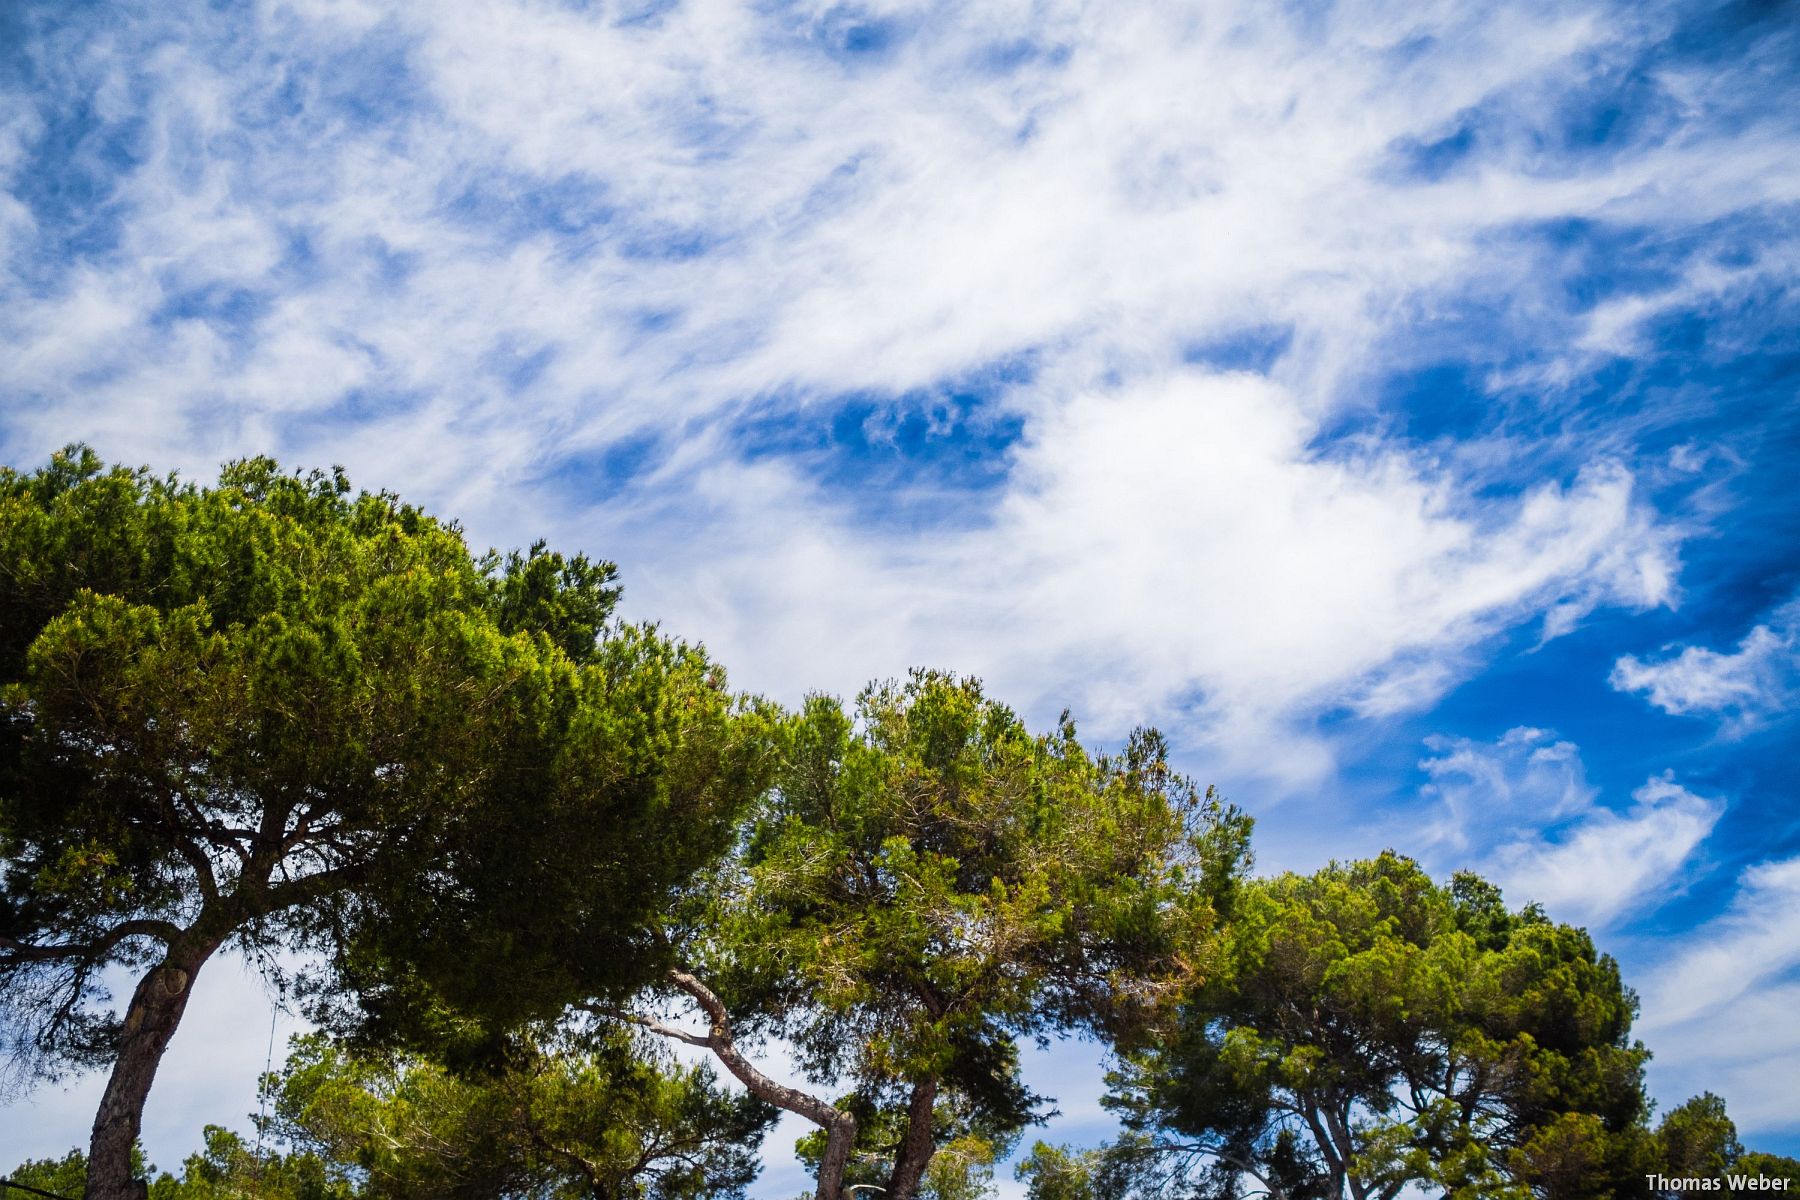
16,951
656,1027
180,816
720,1041
307,888
839,1126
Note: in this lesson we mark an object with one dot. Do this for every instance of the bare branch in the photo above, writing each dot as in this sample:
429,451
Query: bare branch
724,1046
656,1027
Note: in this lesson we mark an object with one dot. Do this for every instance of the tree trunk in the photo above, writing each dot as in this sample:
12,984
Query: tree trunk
840,1139
150,1021
917,1147
839,1126
1340,1130
1328,1149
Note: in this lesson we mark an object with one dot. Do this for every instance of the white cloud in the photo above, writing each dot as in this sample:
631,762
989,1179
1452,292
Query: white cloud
1756,680
1601,867
1719,1007
1616,326
1523,778
1230,581
1755,941
1169,543
1151,176
1522,811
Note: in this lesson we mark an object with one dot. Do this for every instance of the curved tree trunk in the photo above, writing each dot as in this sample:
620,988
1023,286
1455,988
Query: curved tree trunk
156,1007
917,1146
839,1126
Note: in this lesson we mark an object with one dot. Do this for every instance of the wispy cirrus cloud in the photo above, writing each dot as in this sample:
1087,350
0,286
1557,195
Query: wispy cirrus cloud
1743,686
1755,940
1527,777
1523,810
1610,864
1719,1005
486,252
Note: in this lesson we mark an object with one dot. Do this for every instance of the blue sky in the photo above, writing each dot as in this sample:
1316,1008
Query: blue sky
1395,404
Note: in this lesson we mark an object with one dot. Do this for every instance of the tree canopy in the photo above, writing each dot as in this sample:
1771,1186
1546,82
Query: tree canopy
927,882
562,1121
273,714
1698,1140
1376,1031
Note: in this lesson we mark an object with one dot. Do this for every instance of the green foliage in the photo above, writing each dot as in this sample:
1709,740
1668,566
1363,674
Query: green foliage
277,714
66,1176
230,1169
555,892
604,1123
929,881
963,1168
566,600
1698,1140
227,1169
1377,1031
1771,1166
